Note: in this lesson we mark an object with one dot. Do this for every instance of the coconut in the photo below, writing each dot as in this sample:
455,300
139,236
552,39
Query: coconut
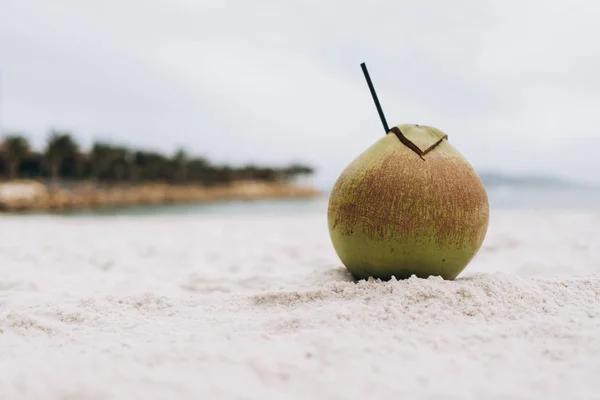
410,204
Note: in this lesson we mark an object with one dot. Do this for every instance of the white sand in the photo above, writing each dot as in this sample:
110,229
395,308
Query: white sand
259,308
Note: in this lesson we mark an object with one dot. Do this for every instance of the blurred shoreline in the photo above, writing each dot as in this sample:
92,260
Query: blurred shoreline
23,196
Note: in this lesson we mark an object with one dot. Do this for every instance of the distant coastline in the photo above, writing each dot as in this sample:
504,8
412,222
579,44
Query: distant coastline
496,179
492,179
63,177
21,196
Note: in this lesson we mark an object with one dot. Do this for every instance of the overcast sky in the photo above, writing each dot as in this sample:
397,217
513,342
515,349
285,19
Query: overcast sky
515,84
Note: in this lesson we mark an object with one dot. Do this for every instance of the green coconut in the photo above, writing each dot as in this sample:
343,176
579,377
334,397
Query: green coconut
410,204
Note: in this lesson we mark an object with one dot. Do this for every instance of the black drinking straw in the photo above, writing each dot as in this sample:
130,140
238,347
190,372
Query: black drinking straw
375,99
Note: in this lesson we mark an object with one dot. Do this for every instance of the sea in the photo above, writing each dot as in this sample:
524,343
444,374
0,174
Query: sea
555,197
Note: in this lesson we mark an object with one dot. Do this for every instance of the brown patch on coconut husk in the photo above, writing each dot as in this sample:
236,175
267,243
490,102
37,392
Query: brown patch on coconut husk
401,196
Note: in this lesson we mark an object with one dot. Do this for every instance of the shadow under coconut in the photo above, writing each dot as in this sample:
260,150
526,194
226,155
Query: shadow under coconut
341,274
413,277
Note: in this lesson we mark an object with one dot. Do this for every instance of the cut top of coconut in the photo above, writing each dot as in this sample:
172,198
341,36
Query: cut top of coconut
419,138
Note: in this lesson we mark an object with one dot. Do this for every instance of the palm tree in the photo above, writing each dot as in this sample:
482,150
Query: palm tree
60,146
153,165
14,149
102,156
120,165
133,169
181,160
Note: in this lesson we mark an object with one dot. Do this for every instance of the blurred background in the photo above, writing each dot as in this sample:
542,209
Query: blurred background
266,100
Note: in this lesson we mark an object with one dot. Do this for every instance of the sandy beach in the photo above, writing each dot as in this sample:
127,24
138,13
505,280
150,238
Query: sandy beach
35,196
259,307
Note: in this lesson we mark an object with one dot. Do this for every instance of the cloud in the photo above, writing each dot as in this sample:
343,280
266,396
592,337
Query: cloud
514,84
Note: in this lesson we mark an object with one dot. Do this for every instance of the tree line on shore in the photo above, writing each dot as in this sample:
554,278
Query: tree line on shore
64,159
